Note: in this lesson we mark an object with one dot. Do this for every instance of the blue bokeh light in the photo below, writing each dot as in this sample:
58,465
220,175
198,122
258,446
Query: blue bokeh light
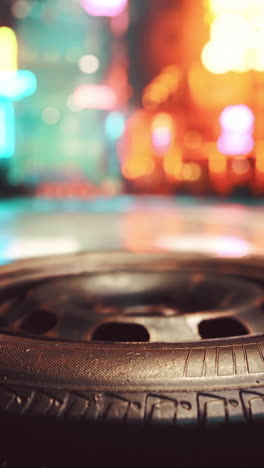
114,125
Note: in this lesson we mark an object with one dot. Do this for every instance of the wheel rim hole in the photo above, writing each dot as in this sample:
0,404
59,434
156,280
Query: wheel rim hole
221,328
39,322
121,332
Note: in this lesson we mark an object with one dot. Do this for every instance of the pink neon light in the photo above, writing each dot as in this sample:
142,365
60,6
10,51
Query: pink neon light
100,97
234,144
238,118
104,7
237,124
161,138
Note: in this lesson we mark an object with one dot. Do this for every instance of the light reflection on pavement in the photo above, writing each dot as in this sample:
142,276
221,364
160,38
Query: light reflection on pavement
44,227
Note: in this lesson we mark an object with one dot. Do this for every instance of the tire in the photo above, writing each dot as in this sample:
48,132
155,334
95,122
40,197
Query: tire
63,388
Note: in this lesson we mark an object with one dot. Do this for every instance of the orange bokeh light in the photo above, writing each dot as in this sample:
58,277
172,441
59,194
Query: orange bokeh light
138,166
217,161
173,163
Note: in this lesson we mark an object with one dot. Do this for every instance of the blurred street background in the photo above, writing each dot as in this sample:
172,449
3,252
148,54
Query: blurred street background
131,124
124,96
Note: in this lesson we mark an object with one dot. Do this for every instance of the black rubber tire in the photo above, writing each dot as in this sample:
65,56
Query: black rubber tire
64,389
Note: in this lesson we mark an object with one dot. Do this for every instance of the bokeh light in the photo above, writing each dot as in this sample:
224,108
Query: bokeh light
237,124
219,7
217,162
114,125
137,167
101,97
17,85
191,172
164,85
7,129
237,31
89,64
14,86
8,50
104,7
173,163
240,166
162,132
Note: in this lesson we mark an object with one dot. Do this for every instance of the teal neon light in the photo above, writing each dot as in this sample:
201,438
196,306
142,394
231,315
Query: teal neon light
114,125
7,129
14,86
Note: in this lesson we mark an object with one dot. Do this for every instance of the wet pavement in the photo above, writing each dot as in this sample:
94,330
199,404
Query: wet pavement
35,227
